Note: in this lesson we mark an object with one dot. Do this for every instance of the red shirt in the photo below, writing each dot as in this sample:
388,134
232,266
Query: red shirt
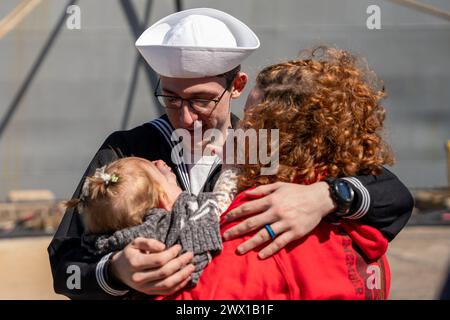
335,261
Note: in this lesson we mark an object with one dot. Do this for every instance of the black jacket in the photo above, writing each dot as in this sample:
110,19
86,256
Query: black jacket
382,201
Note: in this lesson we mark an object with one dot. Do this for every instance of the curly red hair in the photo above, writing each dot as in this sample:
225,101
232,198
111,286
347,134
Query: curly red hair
328,113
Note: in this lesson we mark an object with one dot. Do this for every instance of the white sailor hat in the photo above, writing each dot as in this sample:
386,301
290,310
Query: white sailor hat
196,43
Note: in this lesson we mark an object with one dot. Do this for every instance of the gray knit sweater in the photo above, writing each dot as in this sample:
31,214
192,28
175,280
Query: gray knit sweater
193,223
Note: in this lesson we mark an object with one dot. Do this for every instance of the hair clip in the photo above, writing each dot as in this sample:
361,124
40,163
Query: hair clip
114,178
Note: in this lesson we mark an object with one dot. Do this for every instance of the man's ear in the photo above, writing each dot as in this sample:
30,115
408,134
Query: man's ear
239,83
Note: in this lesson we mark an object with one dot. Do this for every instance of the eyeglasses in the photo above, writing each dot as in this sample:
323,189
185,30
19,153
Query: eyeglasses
203,106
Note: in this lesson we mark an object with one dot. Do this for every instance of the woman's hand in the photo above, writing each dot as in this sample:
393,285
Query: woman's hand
292,211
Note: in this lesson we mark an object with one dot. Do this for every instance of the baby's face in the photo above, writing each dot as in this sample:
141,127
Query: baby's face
164,170
161,173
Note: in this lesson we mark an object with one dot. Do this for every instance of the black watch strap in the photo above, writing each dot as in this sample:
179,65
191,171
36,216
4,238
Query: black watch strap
342,194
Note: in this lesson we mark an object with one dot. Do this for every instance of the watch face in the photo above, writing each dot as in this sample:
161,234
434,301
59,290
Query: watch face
343,190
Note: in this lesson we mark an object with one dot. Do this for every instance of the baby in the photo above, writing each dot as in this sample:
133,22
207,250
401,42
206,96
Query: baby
133,197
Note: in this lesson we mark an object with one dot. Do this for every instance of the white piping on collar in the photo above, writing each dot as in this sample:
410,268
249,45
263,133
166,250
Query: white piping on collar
166,129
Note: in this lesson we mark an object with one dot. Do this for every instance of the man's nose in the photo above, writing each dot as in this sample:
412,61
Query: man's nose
187,116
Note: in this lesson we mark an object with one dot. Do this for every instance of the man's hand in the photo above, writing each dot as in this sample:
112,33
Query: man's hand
292,210
145,266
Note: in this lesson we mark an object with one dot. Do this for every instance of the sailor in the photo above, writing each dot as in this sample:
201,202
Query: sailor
197,53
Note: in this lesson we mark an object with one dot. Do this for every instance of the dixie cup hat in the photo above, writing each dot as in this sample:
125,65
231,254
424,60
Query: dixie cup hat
196,43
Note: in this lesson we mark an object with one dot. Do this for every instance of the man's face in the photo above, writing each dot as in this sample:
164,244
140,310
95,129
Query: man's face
210,88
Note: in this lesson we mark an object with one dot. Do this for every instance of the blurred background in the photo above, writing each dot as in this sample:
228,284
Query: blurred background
64,89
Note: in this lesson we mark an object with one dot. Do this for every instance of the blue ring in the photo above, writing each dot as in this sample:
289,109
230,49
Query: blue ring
270,231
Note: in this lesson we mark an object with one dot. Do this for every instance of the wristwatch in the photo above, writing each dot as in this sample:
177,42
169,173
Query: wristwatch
342,194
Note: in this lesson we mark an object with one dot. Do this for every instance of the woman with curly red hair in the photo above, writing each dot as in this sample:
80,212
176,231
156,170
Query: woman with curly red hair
328,113
330,120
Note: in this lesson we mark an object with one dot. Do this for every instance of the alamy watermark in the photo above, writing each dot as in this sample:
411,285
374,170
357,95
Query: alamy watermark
74,279
73,21
373,21
230,147
374,279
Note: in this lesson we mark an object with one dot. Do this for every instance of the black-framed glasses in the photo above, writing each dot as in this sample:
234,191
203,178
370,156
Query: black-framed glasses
203,106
